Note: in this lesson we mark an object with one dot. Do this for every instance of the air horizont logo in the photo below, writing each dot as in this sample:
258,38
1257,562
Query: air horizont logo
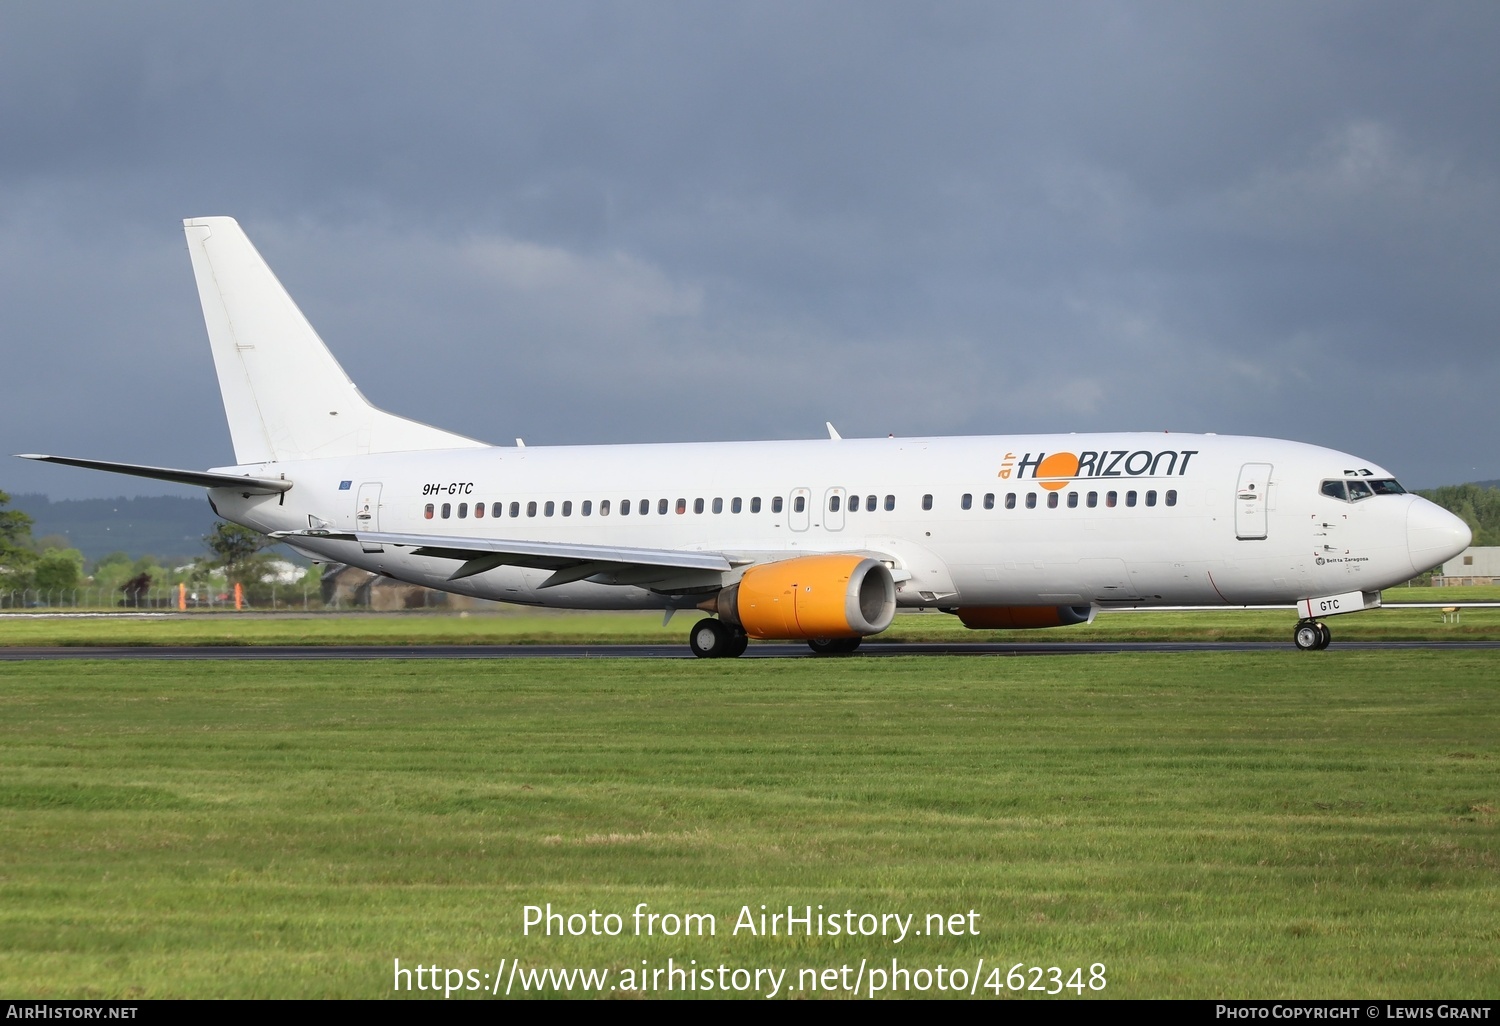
1054,470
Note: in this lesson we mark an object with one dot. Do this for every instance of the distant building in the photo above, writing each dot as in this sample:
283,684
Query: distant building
1478,564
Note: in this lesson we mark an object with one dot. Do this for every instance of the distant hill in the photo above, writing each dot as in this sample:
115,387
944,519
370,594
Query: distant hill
168,527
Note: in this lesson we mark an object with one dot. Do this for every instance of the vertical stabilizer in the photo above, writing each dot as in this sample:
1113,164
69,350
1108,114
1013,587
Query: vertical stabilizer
285,395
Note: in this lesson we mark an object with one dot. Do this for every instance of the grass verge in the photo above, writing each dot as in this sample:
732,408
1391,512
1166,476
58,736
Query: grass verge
1389,624
1217,825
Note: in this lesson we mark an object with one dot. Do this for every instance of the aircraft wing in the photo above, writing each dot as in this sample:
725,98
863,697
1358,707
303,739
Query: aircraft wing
202,478
569,562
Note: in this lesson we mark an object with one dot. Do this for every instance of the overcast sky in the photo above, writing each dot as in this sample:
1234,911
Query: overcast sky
580,222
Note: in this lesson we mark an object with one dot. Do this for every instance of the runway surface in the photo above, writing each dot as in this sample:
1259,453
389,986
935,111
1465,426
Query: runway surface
681,651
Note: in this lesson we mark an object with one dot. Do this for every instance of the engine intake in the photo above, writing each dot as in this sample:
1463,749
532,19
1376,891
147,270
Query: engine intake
839,596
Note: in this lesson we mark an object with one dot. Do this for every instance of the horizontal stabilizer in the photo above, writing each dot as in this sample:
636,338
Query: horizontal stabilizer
202,478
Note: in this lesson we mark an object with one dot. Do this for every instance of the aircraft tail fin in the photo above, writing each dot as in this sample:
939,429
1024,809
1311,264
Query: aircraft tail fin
285,395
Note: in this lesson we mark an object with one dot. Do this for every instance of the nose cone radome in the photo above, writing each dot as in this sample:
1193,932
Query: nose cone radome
1433,535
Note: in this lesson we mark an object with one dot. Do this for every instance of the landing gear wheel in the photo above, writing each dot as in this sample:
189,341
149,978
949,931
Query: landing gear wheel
710,639
738,642
833,646
1325,635
1309,635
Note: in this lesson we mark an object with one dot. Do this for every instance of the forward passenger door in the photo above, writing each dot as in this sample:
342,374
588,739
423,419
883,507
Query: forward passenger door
1250,500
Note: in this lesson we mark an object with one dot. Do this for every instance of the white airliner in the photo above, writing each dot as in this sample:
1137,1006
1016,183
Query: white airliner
817,540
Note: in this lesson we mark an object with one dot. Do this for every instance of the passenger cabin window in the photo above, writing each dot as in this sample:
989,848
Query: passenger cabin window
568,508
1151,498
697,505
1031,500
515,509
989,500
833,504
1093,500
427,512
718,505
1130,498
755,504
967,502
1072,500
531,508
644,506
661,506
854,501
1051,500
734,505
927,502
890,503
1172,497
463,511
799,504
479,510
775,504
587,508
1010,500
550,508
604,507
1110,499
497,508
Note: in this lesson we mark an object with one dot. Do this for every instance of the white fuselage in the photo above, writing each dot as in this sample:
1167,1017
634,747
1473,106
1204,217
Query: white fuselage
1108,519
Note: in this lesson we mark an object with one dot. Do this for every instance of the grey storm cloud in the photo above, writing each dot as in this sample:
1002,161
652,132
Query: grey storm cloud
581,222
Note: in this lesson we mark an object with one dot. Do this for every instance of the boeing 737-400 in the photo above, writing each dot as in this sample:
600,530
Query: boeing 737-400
819,540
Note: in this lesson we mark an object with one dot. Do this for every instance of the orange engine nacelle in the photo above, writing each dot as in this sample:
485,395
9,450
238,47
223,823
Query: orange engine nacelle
811,597
1015,618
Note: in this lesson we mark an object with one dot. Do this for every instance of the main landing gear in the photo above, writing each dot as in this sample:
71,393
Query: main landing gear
833,646
714,639
1311,635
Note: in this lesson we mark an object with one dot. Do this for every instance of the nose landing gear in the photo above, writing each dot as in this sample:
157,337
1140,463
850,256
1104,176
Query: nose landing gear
1311,635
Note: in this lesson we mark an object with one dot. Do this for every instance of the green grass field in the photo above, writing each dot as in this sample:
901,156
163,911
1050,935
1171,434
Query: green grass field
1205,825
519,626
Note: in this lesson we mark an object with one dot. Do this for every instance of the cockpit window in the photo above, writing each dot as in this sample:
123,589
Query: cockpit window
1354,489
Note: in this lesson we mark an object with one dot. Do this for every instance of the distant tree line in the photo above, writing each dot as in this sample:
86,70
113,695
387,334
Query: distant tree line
27,564
49,566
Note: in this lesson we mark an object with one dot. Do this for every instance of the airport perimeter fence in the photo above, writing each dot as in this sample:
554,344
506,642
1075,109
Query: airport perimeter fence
163,598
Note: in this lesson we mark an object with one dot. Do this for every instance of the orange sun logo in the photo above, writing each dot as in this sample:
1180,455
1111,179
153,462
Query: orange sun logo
1060,467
